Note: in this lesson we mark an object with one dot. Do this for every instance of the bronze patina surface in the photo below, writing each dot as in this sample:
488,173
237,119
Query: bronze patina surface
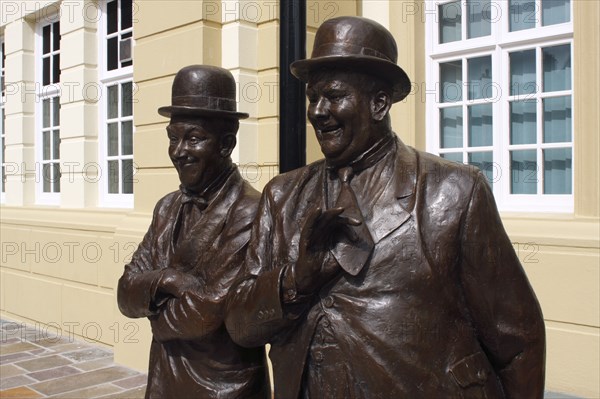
181,273
382,271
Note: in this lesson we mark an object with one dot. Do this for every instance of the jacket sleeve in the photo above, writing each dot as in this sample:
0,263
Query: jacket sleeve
501,302
137,285
255,313
187,318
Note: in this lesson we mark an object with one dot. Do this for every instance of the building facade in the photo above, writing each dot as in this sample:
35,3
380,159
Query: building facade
510,86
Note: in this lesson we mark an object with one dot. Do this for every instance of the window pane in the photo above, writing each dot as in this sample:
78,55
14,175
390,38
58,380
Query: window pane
56,68
55,144
127,138
522,14
557,68
46,71
46,112
555,12
56,36
46,39
523,122
523,165
483,160
127,176
55,111
450,22
479,18
46,145
522,72
451,78
113,139
126,99
55,178
451,127
480,125
557,119
480,77
453,156
557,171
113,177
112,53
46,177
111,17
126,14
113,102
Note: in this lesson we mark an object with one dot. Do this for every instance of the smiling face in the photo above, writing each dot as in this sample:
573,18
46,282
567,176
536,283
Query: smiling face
199,150
340,109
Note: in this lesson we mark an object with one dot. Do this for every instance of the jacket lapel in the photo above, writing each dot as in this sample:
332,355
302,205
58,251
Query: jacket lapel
393,208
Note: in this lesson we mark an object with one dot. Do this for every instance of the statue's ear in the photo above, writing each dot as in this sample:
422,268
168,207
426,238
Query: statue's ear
227,144
380,105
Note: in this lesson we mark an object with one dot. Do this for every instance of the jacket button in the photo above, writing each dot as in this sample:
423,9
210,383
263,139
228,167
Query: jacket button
481,375
328,301
290,294
318,356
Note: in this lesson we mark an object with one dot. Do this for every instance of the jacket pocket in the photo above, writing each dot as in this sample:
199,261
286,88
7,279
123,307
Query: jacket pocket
471,374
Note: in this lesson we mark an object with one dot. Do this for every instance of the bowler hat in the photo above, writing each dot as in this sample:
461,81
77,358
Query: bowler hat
355,43
203,90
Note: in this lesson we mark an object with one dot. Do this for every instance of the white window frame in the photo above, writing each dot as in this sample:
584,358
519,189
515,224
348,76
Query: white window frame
499,44
3,120
109,78
49,91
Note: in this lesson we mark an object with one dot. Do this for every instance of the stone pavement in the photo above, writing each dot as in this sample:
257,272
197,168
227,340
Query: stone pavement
38,363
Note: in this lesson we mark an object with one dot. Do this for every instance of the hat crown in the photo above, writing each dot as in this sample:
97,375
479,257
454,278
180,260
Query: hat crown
203,90
204,86
203,80
354,36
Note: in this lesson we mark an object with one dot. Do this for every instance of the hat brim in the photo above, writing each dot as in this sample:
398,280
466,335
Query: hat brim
361,63
173,110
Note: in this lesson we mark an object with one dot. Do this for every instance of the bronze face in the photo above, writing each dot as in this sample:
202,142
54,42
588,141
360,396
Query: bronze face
198,151
340,111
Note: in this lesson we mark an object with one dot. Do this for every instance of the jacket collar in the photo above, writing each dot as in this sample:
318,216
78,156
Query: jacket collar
393,208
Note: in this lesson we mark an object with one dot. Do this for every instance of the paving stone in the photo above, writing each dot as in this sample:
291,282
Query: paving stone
68,347
20,393
90,392
87,354
14,357
16,381
72,382
132,382
39,352
8,370
56,372
17,347
49,342
95,364
7,341
137,393
43,363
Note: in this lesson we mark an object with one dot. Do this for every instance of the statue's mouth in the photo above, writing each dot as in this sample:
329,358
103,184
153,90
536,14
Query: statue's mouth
328,132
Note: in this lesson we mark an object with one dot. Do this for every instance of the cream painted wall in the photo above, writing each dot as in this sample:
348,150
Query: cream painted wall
59,265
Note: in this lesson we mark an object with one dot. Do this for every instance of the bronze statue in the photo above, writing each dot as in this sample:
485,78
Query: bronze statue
180,275
382,271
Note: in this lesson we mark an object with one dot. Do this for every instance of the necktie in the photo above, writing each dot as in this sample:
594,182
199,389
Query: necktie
180,225
352,253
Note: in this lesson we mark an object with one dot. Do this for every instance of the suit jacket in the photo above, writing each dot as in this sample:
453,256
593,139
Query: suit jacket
191,354
442,308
